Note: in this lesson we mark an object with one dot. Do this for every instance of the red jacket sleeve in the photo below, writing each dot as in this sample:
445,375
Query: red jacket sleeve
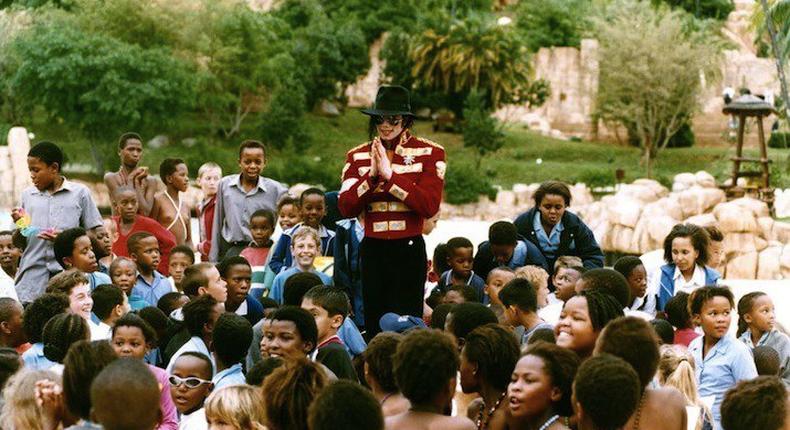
357,187
167,241
425,195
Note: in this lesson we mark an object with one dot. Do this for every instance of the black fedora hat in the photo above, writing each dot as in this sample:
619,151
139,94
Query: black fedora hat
391,100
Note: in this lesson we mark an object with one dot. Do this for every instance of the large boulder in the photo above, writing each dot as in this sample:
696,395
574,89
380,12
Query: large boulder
659,227
738,243
625,211
697,200
781,231
743,266
703,220
784,262
766,225
768,263
734,218
669,206
683,181
705,179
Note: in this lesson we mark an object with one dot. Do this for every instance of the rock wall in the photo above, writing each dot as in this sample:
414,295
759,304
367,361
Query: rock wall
14,176
637,217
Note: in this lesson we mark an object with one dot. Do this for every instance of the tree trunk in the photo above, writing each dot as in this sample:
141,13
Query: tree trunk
648,160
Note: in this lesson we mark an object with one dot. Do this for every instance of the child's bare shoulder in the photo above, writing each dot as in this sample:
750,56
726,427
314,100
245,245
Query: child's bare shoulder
453,423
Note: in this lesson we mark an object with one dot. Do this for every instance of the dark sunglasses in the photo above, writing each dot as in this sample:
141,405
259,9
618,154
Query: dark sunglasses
191,382
391,120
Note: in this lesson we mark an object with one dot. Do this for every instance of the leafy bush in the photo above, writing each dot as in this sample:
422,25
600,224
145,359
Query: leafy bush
595,177
464,183
292,167
779,139
482,133
282,124
717,9
547,23
683,138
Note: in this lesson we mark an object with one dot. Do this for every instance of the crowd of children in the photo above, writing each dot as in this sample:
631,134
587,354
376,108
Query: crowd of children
132,324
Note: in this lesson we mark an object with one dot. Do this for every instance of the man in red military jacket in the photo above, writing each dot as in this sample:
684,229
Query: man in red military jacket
397,180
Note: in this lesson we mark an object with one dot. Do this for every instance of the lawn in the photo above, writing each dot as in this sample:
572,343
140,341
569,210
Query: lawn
590,162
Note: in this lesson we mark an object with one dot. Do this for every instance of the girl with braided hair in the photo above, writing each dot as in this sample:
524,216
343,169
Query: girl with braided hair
582,319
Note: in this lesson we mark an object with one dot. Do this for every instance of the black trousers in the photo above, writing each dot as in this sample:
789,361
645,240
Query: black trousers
393,278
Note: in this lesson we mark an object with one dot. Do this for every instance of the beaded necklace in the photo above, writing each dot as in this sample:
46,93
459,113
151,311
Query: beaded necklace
549,422
481,423
639,412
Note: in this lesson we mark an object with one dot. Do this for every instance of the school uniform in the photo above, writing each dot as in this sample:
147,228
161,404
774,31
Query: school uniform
570,236
524,254
101,331
780,343
474,281
7,288
154,291
278,286
229,377
34,358
281,255
230,231
251,309
347,269
667,281
645,304
727,363
67,207
529,332
332,354
97,278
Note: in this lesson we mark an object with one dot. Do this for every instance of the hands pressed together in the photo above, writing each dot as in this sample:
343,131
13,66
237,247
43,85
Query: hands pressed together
379,163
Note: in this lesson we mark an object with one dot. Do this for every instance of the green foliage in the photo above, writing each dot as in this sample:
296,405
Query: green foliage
98,84
449,57
283,124
294,167
716,9
330,54
779,139
482,133
650,66
63,4
464,183
547,23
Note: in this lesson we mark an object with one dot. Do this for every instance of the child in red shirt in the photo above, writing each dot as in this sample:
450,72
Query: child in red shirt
128,222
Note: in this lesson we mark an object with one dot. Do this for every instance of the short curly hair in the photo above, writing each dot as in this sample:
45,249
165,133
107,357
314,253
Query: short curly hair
634,340
40,311
465,317
608,374
495,350
561,364
610,281
677,310
330,408
760,403
425,362
702,295
697,235
379,355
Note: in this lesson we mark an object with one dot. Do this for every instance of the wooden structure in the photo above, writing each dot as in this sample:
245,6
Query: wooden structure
758,181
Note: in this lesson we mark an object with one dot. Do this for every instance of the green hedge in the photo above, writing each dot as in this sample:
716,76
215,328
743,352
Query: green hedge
779,139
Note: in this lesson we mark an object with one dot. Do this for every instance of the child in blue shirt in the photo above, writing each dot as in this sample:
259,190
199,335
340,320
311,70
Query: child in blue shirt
460,258
757,327
720,360
151,285
74,250
123,273
312,209
304,247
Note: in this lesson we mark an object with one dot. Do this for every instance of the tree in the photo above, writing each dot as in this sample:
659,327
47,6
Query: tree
547,23
650,72
450,57
99,84
716,9
481,131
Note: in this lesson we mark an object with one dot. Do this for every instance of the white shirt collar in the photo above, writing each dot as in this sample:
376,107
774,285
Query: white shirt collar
697,280
242,309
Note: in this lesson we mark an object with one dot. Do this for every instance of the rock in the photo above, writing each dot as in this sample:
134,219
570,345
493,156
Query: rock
581,195
189,142
743,266
705,179
697,200
327,108
739,243
683,181
654,185
766,224
625,211
506,200
758,207
158,141
781,231
523,195
642,193
622,240
782,203
784,262
18,148
659,228
733,218
760,244
703,220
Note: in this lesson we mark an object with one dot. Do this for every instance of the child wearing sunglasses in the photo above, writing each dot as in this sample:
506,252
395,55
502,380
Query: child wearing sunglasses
133,337
190,385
